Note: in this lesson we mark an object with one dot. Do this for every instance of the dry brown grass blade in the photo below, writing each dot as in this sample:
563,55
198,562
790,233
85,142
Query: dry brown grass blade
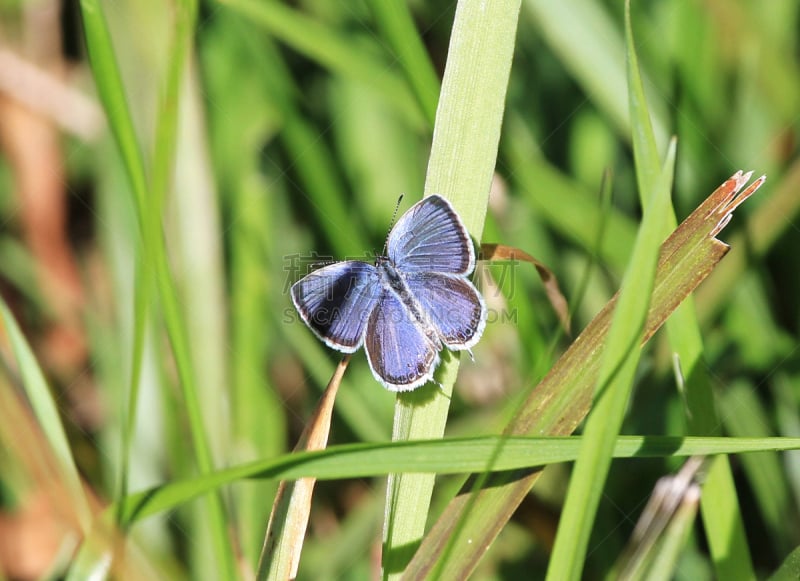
493,252
470,523
283,543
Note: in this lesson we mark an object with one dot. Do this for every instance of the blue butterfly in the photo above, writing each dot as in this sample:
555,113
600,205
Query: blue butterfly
407,306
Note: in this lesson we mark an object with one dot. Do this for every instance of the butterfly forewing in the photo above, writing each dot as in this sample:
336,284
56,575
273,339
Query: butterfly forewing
400,355
336,302
406,308
430,237
452,304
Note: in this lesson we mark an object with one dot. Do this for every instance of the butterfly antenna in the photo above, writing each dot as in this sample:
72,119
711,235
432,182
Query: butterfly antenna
391,224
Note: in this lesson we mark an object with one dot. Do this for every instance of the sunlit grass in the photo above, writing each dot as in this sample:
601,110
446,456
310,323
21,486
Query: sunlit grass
243,136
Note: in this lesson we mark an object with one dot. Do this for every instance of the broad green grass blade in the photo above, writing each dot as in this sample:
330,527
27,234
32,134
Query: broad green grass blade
562,399
109,86
179,339
721,517
169,106
443,456
46,412
196,276
462,161
645,150
141,311
614,387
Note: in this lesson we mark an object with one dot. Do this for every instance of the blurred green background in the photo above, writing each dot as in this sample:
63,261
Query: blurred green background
298,126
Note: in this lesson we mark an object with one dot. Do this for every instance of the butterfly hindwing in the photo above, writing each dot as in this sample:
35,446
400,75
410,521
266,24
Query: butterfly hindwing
336,302
453,305
430,237
406,308
400,355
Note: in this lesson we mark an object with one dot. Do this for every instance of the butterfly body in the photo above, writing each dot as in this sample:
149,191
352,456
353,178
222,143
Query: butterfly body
406,307
393,280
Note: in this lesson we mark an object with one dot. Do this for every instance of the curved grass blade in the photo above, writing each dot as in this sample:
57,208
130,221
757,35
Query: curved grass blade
148,206
557,299
723,524
438,456
45,410
614,387
562,399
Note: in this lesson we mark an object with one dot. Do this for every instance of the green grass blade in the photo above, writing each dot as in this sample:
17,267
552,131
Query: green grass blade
720,513
178,335
645,151
395,22
561,400
109,84
169,105
442,456
743,413
589,44
462,161
239,124
141,311
789,569
615,384
569,207
198,309
163,163
46,413
112,94
334,51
